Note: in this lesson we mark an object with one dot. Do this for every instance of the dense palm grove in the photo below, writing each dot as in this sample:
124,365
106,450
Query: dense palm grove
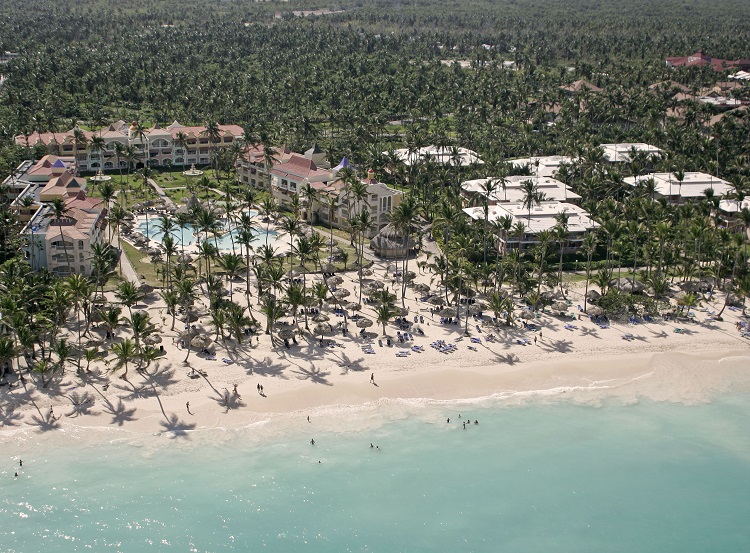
361,83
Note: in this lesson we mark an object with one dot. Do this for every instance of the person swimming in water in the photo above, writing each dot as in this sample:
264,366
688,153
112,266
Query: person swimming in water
312,442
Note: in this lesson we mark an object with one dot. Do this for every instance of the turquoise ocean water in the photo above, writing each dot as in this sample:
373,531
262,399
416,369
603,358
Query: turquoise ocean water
538,476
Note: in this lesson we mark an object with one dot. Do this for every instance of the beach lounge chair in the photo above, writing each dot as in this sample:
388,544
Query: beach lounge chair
476,340
679,330
227,361
628,337
402,354
211,357
570,327
604,326
472,348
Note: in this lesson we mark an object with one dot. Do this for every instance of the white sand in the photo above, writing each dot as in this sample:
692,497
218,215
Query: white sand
306,379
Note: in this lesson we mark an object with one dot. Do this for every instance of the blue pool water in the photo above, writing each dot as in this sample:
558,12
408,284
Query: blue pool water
547,476
225,242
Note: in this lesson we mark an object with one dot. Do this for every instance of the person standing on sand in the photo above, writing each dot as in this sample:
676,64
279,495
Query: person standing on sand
372,378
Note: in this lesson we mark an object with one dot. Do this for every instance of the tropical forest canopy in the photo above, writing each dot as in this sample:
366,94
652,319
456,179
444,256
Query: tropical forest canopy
339,78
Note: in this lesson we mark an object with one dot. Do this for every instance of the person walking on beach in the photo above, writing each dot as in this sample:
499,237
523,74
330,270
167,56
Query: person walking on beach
534,340
372,378
187,406
236,393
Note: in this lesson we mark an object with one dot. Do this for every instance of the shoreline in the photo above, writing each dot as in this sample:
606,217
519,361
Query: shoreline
356,406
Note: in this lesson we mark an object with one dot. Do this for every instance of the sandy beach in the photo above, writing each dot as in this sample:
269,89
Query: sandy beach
562,356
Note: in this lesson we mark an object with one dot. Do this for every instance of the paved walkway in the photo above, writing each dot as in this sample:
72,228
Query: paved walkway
163,195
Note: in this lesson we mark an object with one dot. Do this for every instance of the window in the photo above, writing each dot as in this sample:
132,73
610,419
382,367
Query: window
80,244
373,197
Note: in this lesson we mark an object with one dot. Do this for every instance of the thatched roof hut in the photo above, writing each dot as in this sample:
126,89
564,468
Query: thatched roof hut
389,243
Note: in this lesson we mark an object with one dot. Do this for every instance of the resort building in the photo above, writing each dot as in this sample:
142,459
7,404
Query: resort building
729,212
620,153
29,172
580,85
293,173
380,201
63,246
512,192
541,166
174,145
438,154
701,59
541,217
693,186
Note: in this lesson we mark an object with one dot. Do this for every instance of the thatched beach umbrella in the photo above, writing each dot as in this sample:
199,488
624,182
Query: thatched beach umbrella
152,339
364,323
342,293
422,288
526,314
320,318
286,333
447,312
321,330
335,280
366,272
200,341
402,311
329,268
560,306
595,311
436,300
593,295
352,306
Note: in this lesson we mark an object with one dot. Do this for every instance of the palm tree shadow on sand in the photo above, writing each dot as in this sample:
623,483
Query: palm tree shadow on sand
176,427
120,414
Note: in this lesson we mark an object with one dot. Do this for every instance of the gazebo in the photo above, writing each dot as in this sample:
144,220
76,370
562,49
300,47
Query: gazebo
389,243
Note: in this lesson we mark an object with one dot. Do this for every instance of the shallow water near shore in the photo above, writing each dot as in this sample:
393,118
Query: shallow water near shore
542,476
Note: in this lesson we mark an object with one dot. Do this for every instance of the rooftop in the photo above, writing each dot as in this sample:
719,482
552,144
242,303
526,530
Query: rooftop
542,216
542,166
439,155
692,186
615,153
553,189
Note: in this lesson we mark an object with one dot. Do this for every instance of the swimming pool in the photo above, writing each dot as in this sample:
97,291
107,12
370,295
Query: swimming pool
189,238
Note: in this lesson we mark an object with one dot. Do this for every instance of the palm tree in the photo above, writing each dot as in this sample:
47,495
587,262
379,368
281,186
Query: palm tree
561,234
8,352
291,226
80,289
404,218
140,324
214,135
60,210
273,311
181,141
171,300
128,294
531,196
79,140
231,264
384,312
588,248
125,351
543,238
